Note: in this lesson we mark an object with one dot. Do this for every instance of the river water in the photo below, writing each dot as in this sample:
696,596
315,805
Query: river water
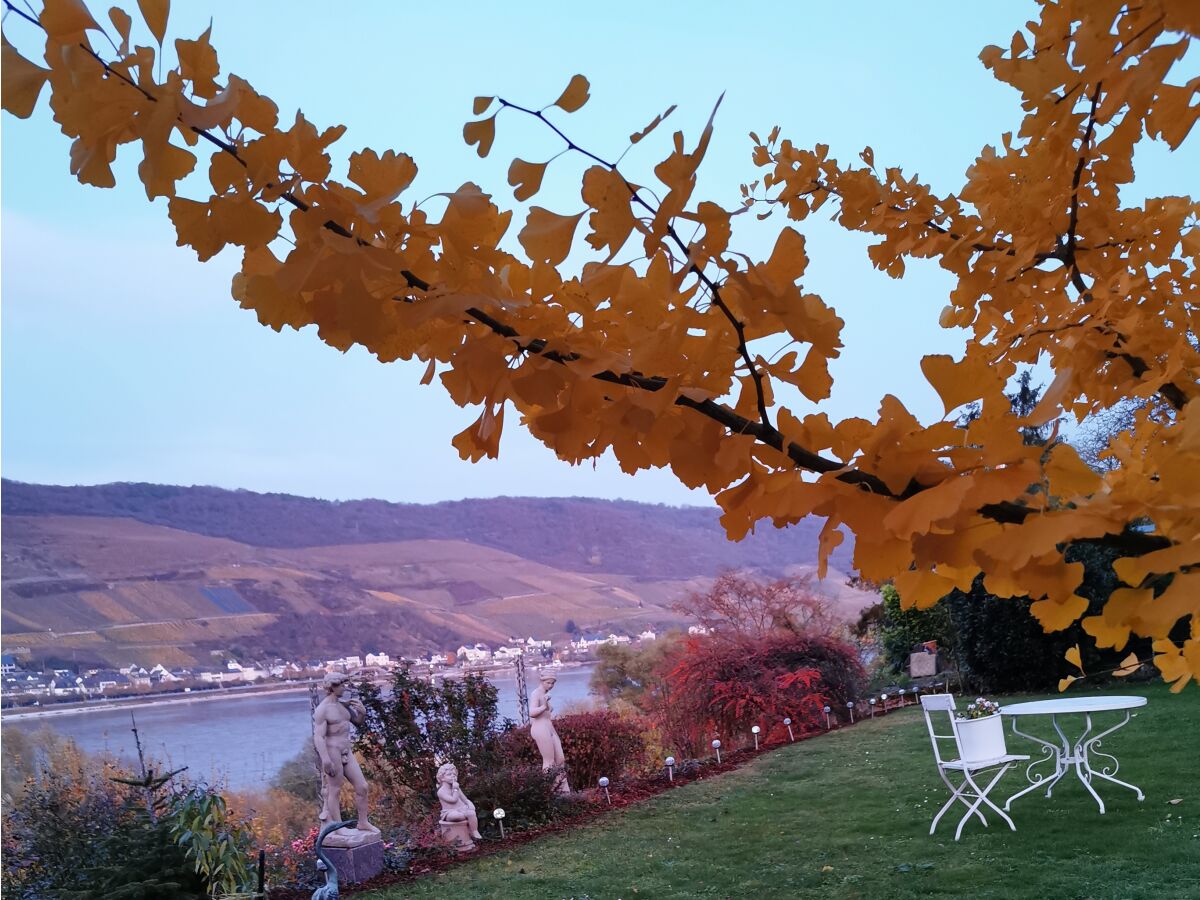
240,741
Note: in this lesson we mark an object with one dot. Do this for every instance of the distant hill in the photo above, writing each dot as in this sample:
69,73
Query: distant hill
579,534
144,573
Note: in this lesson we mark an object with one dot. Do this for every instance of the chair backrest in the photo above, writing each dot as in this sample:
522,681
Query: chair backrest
937,703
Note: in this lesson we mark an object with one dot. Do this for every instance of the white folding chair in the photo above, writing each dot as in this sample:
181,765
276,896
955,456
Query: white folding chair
969,790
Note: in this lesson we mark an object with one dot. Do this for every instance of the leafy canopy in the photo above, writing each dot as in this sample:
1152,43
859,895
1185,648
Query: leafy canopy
699,358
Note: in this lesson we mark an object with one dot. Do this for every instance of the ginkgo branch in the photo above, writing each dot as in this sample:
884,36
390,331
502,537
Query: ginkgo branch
762,431
739,327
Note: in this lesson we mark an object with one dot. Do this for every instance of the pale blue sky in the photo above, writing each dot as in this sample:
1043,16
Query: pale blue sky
125,359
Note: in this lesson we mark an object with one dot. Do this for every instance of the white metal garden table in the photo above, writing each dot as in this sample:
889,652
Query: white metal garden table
1075,753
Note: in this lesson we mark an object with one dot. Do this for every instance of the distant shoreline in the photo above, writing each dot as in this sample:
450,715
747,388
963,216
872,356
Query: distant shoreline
66,709
250,690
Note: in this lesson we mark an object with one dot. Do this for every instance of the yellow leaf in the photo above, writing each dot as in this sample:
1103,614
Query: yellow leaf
429,372
959,382
482,133
1129,665
482,437
1051,402
831,536
922,589
547,236
254,110
246,222
613,221
574,96
123,24
1173,664
198,63
22,82
918,514
382,177
638,135
526,177
481,104
192,227
1056,614
813,376
1068,475
1072,656
1134,569
155,13
1064,683
66,20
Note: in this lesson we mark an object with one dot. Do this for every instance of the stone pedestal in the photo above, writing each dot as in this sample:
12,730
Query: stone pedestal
458,834
359,863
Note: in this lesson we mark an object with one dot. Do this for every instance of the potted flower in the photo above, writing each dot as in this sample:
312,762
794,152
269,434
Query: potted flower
980,731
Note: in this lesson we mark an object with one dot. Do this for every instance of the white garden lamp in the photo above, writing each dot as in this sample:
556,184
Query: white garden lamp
883,700
670,768
872,707
826,709
716,745
499,816
788,723
850,709
902,696
754,731
604,784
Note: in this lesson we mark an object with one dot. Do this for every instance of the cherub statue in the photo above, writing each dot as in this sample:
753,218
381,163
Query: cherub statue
458,812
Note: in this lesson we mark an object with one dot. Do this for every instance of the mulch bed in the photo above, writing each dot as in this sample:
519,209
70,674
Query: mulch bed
624,793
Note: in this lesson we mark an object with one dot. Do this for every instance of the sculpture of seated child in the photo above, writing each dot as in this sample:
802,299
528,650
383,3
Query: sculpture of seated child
456,808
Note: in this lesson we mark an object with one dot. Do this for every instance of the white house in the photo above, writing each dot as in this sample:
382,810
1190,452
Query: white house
379,659
478,653
647,635
344,664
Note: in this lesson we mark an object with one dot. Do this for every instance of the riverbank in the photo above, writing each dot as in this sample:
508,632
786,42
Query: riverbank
236,737
55,710
117,703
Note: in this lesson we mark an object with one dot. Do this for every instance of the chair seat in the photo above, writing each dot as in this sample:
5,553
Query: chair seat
985,763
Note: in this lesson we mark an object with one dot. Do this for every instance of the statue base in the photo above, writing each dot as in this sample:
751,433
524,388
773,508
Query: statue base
348,838
458,834
357,863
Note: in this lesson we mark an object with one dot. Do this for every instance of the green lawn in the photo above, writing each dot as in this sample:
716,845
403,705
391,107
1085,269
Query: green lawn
847,816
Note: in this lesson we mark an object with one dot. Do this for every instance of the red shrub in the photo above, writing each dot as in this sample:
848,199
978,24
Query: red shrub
594,744
726,685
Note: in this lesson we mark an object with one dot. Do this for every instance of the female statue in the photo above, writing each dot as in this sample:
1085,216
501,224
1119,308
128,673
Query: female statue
541,729
456,808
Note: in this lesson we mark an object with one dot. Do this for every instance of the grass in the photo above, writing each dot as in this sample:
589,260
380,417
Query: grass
847,816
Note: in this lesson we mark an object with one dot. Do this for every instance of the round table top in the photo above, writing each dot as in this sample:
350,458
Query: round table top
1063,705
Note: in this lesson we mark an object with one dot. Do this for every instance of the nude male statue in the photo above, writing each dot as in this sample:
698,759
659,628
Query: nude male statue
331,737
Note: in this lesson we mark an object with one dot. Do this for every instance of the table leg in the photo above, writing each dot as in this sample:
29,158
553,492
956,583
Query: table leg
1052,752
1107,773
1079,759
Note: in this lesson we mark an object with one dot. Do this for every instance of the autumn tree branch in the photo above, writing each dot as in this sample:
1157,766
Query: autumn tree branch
762,431
714,291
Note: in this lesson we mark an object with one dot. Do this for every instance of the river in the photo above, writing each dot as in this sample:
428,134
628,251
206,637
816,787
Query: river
240,741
